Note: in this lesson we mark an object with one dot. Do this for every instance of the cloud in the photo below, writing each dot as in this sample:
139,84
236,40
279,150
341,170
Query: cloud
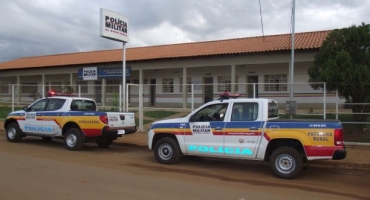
42,27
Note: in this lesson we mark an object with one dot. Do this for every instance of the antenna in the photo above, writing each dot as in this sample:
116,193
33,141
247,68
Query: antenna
263,34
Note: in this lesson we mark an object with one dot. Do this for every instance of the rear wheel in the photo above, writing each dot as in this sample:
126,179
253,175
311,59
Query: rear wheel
73,139
167,151
104,142
286,162
13,133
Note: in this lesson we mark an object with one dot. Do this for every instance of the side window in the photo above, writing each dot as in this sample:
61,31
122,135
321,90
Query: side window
38,106
83,105
245,112
55,104
215,112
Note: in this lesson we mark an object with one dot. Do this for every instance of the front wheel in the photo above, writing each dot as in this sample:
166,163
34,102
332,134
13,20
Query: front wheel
13,133
167,151
286,162
73,139
104,142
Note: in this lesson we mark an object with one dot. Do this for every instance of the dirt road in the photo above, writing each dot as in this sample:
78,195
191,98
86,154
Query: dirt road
37,169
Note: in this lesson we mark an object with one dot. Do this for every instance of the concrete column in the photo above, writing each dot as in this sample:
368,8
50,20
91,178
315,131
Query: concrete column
184,87
18,99
233,79
103,91
71,79
141,77
43,85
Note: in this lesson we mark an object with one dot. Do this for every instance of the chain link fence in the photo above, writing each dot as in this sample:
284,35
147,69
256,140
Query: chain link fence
302,103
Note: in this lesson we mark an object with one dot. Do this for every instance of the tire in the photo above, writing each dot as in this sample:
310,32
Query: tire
104,142
167,151
13,133
73,139
286,163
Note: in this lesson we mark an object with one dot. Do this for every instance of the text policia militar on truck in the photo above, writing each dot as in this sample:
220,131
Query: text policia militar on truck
116,25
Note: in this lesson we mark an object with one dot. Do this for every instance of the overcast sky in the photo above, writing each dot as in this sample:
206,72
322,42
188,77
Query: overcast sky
43,27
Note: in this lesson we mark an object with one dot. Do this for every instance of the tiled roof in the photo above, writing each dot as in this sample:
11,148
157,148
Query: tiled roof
307,40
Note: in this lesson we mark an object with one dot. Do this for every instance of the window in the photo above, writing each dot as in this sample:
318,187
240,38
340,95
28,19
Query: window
38,106
4,89
167,85
276,83
188,86
224,83
112,86
214,112
83,86
83,105
245,112
29,88
55,104
273,110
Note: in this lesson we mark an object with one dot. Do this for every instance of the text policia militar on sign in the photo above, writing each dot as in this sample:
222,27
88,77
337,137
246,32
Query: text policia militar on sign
115,25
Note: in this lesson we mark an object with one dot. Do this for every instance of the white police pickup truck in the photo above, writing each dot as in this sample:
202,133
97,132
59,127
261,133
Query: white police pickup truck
247,129
74,119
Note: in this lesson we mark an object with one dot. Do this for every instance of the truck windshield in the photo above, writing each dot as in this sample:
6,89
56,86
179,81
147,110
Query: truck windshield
273,110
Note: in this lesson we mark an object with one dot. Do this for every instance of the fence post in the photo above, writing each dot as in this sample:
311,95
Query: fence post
141,105
120,98
192,97
336,104
12,97
324,100
254,90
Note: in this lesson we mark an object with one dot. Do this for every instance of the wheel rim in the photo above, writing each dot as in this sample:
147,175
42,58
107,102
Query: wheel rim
285,163
165,151
12,132
71,140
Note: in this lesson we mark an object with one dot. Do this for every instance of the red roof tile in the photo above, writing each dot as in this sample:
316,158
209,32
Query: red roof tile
308,40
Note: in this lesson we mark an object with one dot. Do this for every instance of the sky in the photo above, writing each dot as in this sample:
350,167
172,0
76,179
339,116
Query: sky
45,27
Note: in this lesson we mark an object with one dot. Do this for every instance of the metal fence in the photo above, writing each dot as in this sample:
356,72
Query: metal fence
307,103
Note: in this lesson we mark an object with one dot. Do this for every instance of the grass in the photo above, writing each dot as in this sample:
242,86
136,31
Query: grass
159,114
4,111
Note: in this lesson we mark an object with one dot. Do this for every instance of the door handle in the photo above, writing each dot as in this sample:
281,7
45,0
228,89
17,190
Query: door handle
218,128
253,128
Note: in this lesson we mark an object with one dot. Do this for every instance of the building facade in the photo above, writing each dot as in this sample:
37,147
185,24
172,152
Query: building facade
174,75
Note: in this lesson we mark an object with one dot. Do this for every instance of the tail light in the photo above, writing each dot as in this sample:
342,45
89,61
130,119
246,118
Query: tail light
104,119
338,137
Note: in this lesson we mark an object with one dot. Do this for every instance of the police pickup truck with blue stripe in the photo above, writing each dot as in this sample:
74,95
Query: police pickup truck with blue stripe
76,120
247,129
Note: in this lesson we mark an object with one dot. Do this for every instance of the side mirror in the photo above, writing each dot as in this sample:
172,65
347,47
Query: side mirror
25,108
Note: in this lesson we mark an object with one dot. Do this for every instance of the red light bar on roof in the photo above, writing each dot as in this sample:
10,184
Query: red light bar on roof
53,94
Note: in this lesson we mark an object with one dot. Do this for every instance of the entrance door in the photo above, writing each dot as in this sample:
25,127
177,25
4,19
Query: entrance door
208,89
152,91
98,94
251,80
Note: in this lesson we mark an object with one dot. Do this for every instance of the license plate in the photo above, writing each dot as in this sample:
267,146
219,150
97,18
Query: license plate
121,132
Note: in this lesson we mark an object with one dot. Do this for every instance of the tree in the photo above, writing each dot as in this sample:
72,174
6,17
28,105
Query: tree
343,62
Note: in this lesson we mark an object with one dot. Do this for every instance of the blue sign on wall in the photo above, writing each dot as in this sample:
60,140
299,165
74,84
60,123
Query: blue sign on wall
109,72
